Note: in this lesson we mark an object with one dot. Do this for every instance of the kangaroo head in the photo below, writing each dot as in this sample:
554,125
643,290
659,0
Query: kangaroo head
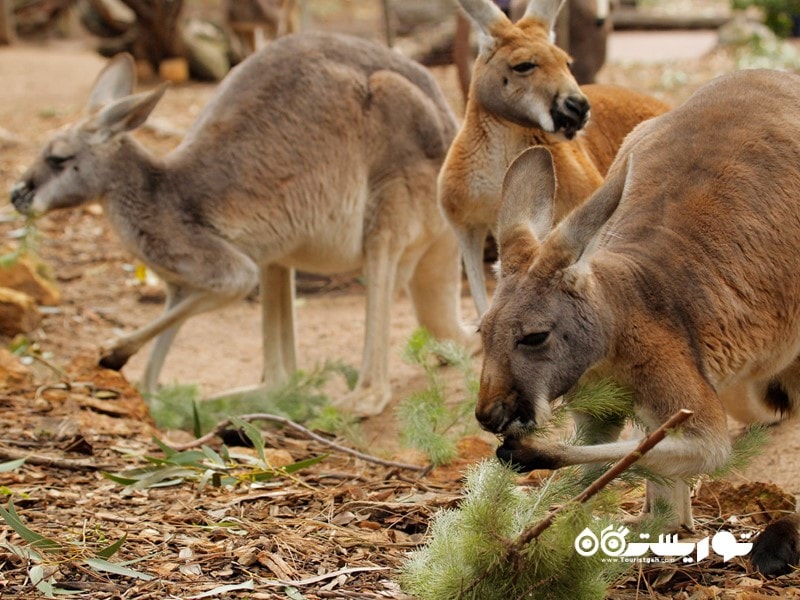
520,74
547,324
77,163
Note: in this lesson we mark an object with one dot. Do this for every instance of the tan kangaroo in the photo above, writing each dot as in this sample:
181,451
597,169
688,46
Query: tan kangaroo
319,153
589,27
523,94
678,277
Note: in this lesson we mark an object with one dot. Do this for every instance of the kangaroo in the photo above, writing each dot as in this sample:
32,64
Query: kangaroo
678,278
319,153
523,94
589,27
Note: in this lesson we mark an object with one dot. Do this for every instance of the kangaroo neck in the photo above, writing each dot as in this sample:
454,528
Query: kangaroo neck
144,181
495,132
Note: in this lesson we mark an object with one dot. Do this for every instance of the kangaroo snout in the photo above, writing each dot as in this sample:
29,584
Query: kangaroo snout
492,417
570,114
21,195
506,415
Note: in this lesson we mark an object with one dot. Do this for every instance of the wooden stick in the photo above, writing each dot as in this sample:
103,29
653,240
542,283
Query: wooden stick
297,427
88,464
647,444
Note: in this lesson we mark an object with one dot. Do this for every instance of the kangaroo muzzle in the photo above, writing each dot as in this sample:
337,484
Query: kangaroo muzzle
570,114
21,195
510,416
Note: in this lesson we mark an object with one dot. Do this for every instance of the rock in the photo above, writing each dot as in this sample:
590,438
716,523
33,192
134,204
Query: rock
18,312
740,31
12,372
8,138
29,275
175,70
207,50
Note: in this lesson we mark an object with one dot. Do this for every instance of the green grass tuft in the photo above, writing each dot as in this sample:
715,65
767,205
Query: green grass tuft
301,399
427,421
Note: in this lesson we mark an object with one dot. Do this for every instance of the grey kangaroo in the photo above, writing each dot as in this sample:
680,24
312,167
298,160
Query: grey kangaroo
318,153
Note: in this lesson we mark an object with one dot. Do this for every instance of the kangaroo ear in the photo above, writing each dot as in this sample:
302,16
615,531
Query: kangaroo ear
545,11
486,16
115,81
526,212
573,236
127,113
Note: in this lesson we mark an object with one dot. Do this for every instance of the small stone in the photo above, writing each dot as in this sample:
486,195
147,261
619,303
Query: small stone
30,275
18,312
12,371
175,70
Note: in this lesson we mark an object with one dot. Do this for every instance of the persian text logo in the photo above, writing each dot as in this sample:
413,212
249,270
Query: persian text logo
613,543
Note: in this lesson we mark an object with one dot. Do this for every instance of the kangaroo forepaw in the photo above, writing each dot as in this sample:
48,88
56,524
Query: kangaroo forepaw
526,456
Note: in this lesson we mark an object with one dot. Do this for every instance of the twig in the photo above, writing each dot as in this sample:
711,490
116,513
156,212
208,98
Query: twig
222,425
318,578
47,461
647,444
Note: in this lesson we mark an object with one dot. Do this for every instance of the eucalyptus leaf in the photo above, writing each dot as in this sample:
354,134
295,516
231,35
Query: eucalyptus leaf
99,564
11,465
11,517
253,434
112,549
225,589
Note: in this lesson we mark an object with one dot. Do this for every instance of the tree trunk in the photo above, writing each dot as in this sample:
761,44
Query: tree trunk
7,28
157,24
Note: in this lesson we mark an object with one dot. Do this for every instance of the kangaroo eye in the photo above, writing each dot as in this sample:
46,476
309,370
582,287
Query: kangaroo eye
533,340
525,67
57,163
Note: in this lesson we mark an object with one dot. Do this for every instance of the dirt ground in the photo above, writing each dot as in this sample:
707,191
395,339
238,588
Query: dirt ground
44,86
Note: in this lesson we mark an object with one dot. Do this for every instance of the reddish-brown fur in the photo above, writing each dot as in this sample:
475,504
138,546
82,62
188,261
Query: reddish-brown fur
678,277
509,111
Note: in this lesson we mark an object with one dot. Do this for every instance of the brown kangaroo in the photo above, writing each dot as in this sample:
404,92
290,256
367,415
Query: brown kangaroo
523,94
678,278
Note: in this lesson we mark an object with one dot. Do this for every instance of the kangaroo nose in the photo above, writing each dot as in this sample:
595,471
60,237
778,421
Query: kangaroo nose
21,195
492,418
577,106
570,114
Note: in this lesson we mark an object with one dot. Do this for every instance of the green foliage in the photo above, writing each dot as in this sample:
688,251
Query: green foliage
600,404
40,551
603,399
207,466
465,554
301,399
767,53
777,13
743,450
428,422
27,238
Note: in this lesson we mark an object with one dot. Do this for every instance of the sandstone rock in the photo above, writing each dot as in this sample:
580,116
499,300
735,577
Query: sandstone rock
175,70
12,371
28,275
207,50
18,312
